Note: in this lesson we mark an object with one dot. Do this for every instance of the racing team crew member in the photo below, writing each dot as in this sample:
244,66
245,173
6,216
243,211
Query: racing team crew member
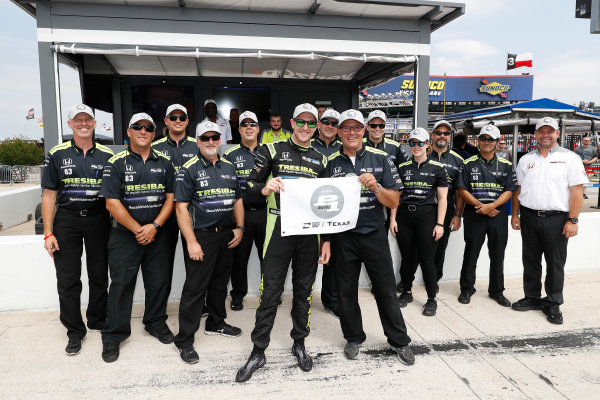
550,197
72,176
440,143
418,222
367,242
138,187
327,143
255,208
486,182
276,133
211,228
276,162
210,110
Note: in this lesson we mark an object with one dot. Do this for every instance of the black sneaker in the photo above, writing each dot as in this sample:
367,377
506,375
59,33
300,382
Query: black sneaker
404,354
204,311
73,347
404,299
332,311
110,352
527,304
500,299
553,313
188,354
226,330
162,333
430,308
464,298
399,288
256,361
237,305
304,360
351,350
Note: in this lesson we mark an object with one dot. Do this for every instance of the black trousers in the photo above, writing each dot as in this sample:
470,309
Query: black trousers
125,256
205,279
442,244
171,231
543,236
329,292
352,249
254,222
417,246
303,252
476,228
72,232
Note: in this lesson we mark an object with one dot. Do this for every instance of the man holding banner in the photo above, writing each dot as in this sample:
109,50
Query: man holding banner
368,241
276,162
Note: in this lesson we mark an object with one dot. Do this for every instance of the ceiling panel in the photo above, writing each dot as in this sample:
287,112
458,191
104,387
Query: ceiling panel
179,66
143,65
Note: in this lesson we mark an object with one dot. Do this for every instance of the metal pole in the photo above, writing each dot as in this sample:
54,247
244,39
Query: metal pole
515,143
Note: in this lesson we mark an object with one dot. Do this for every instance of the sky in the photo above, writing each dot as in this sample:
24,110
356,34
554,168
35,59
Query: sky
565,57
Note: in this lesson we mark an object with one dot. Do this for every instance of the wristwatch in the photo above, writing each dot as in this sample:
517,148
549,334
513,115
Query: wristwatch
574,220
241,228
458,215
378,188
156,225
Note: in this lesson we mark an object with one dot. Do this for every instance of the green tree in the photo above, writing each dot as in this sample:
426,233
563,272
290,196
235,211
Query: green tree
20,152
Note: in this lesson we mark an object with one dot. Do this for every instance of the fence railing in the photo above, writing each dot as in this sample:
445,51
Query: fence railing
20,174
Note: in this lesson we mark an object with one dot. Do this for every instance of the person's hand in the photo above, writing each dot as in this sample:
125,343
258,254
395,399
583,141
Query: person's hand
438,232
493,213
393,227
237,238
570,229
485,209
51,245
586,162
368,181
325,253
273,185
455,223
145,234
195,251
515,222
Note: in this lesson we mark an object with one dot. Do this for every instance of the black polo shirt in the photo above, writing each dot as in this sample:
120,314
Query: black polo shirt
487,180
452,161
141,186
74,176
211,189
179,152
390,147
421,181
322,147
242,159
373,161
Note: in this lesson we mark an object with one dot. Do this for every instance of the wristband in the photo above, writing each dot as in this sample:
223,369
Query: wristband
458,215
241,228
46,237
156,225
438,224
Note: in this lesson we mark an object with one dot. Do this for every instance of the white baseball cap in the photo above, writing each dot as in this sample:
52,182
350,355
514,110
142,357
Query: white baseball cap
491,130
80,108
174,107
549,121
420,134
442,122
139,117
246,115
209,101
306,107
331,113
351,114
376,114
206,126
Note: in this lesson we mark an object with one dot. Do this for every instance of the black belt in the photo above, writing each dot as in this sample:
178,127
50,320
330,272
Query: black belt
254,208
83,213
217,228
542,213
414,207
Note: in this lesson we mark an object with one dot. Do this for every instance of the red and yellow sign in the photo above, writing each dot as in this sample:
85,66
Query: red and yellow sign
494,88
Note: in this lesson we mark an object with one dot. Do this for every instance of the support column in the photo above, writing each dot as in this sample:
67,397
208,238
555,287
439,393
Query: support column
117,110
421,98
515,141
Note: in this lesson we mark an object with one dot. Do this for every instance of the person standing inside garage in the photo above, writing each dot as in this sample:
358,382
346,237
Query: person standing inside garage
74,215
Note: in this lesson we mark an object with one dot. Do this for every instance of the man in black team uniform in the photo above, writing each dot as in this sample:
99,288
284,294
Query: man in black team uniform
486,182
275,163
138,187
255,208
72,176
327,143
367,242
211,216
440,144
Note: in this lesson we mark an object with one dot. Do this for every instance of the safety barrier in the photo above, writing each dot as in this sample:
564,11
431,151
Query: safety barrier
20,174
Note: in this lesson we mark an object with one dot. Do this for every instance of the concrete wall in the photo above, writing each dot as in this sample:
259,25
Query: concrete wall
28,280
17,205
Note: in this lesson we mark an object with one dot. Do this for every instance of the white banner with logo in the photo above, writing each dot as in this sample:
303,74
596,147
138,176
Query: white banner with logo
325,205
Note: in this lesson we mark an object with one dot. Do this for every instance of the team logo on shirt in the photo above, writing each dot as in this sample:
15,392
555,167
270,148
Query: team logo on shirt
67,161
156,170
239,159
201,174
337,170
165,153
286,156
129,168
530,166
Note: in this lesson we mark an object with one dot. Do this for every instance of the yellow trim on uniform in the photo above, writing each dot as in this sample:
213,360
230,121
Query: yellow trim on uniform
504,160
222,159
161,140
118,156
309,298
405,163
190,162
104,149
391,141
471,159
334,156
237,146
375,151
160,154
439,164
61,146
457,155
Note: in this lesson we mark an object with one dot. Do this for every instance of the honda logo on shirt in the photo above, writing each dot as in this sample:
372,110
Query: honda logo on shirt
129,168
67,161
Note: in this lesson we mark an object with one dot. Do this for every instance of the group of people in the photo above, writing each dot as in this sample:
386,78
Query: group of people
129,209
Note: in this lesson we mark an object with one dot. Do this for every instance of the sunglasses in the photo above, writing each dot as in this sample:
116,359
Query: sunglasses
245,124
489,140
413,144
214,138
174,118
329,122
139,127
440,133
301,123
355,128
501,143
374,126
